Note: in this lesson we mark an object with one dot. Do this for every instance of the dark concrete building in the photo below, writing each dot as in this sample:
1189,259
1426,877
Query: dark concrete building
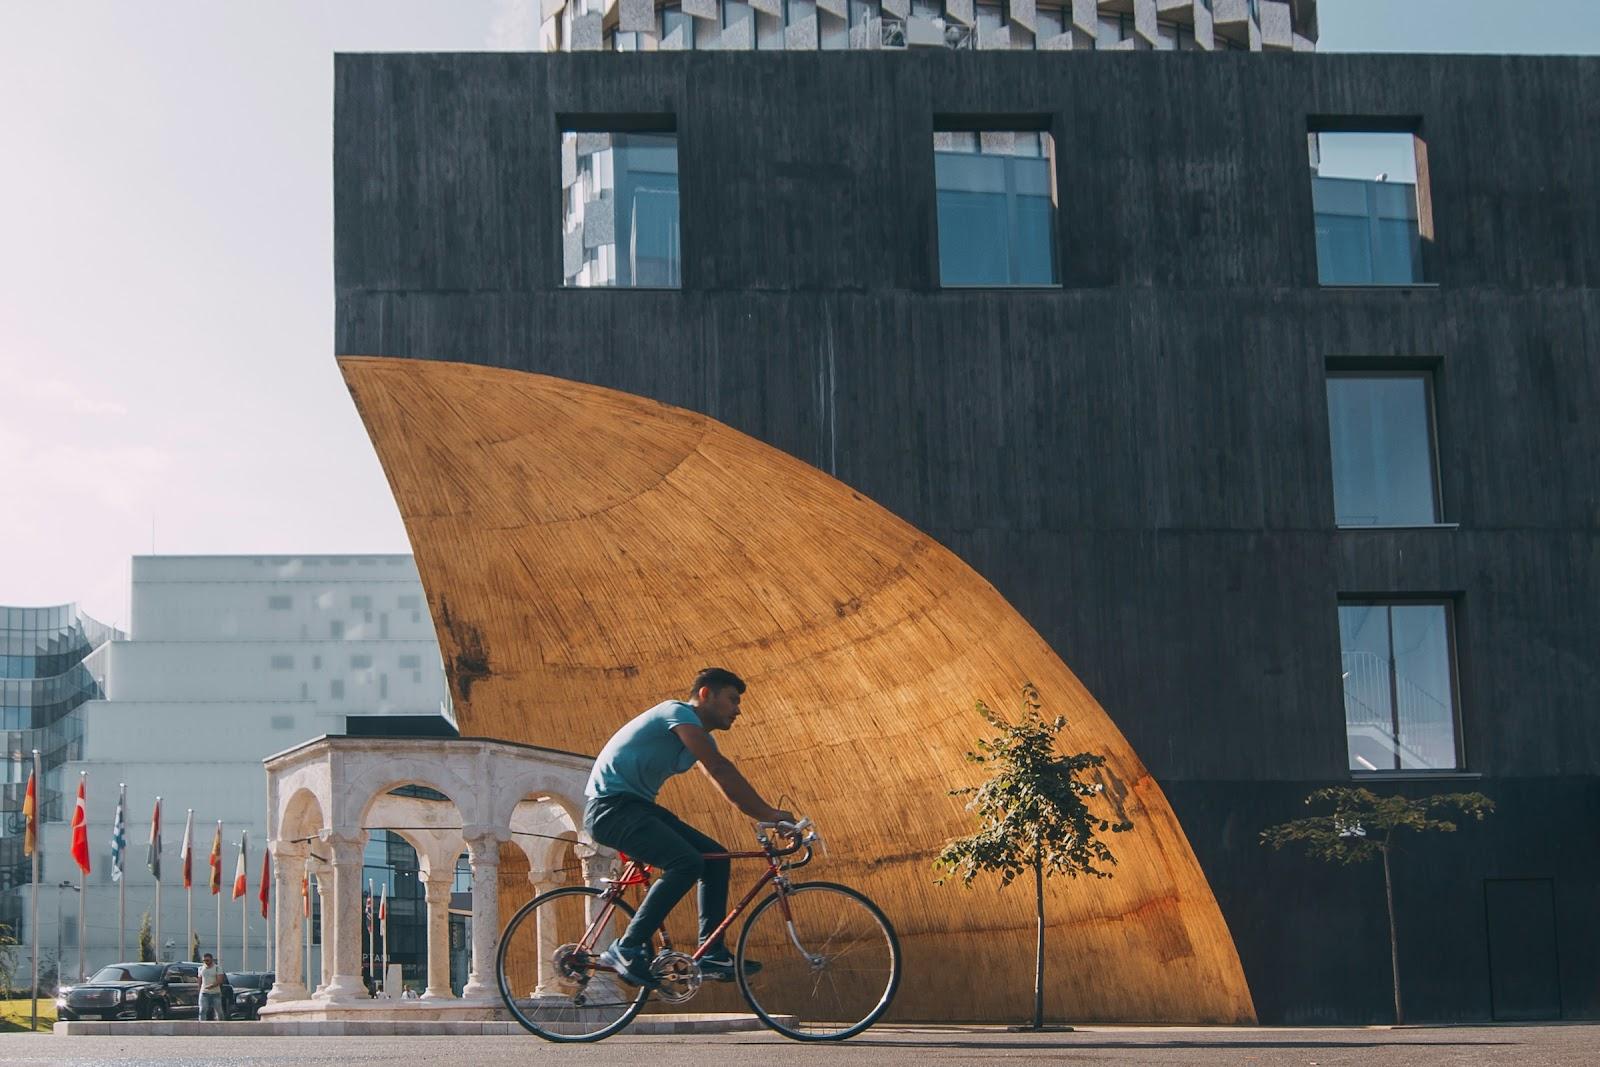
1291,534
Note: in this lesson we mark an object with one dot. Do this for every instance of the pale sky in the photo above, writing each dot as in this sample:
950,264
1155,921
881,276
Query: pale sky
166,271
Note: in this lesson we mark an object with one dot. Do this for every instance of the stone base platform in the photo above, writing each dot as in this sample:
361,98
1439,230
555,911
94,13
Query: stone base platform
369,1026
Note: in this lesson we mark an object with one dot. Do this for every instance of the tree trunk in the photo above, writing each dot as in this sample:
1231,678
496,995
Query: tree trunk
1394,941
1038,955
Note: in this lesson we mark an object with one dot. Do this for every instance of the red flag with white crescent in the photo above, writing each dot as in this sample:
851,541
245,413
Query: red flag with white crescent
80,829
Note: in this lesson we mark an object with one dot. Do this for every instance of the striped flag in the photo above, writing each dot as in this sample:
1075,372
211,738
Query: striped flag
216,861
187,852
80,828
238,871
30,817
266,875
119,834
152,857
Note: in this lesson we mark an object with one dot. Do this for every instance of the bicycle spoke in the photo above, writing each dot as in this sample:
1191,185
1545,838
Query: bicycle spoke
547,972
806,992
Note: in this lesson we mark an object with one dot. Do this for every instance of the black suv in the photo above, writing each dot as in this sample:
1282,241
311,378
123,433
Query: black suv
138,991
250,989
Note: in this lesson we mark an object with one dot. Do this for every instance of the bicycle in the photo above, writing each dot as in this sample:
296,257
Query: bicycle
831,960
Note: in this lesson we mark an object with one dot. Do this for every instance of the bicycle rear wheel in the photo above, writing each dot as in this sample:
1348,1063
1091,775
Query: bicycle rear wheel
830,966
551,986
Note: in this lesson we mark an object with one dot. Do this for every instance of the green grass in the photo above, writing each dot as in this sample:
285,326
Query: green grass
15,1013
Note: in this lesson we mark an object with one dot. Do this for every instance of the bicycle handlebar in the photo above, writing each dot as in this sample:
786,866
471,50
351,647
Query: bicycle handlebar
802,833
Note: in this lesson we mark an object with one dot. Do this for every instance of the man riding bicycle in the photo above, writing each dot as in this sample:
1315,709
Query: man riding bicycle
621,813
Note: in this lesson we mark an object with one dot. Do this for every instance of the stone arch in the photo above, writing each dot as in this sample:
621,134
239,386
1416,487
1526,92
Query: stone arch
302,816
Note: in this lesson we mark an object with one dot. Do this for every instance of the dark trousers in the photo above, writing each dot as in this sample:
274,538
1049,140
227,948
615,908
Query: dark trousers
651,834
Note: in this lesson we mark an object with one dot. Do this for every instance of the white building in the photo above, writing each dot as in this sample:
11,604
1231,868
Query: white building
228,660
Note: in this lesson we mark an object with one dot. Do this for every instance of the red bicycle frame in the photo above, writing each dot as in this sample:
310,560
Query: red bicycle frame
636,873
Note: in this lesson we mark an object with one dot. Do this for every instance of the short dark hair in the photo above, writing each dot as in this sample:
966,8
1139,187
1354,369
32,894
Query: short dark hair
716,679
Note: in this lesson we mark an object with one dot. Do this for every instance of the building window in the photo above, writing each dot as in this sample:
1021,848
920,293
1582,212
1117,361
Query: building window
410,663
283,663
997,207
335,629
279,603
336,689
674,21
360,663
1399,686
1380,428
620,210
360,603
1369,194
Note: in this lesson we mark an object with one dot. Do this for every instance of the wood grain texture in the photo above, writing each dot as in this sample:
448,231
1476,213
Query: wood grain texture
585,551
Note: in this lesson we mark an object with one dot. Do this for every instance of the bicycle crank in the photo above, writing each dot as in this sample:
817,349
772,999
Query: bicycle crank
679,976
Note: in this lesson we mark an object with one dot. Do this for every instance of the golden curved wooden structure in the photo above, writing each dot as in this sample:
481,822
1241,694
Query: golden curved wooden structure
584,551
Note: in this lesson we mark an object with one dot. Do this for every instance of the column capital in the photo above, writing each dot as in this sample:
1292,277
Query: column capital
343,841
479,835
283,850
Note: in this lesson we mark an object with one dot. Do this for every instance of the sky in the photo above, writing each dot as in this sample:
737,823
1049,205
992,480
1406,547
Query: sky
167,381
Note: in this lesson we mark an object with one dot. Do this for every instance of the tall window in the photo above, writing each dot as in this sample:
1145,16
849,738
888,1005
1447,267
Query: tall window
620,210
1399,686
1381,431
1369,194
997,207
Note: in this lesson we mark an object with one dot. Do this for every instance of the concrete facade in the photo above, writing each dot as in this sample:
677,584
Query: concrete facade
1137,458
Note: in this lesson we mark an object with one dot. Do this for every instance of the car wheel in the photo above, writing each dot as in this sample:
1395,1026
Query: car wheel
158,1010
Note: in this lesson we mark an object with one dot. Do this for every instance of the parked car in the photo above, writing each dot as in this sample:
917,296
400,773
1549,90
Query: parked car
137,991
250,989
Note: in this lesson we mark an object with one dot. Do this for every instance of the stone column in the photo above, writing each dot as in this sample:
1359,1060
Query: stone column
546,935
483,851
322,885
288,860
600,864
437,893
346,847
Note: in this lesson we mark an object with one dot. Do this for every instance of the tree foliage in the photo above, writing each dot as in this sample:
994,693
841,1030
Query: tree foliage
147,944
1033,811
1362,824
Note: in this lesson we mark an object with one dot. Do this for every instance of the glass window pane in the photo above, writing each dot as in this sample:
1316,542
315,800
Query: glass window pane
1364,194
620,212
1423,691
1383,464
1399,695
996,206
1368,710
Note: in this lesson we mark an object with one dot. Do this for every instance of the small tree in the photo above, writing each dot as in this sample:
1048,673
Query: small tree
1034,815
147,944
8,958
1362,826
194,947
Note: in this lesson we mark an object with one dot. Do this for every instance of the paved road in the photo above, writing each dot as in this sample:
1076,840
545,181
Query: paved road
1540,1046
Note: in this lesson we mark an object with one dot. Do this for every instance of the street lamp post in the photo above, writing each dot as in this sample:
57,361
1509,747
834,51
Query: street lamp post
59,887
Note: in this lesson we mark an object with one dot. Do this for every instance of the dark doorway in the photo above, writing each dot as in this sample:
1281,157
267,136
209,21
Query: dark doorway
1524,976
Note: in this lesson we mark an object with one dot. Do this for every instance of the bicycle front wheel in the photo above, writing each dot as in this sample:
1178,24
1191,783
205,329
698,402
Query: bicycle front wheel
549,983
830,962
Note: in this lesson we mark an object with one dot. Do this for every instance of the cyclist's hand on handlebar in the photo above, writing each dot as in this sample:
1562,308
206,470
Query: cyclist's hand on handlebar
779,815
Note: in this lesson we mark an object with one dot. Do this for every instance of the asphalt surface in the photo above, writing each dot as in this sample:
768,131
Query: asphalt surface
1529,1046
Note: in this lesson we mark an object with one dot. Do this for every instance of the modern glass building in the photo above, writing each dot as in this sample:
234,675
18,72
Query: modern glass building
50,666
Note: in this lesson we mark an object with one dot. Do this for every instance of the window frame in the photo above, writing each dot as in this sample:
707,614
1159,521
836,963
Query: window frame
1389,601
660,123
1411,125
1427,370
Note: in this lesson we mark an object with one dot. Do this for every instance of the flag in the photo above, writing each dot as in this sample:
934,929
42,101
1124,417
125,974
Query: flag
238,871
187,852
119,835
383,910
366,907
216,861
266,874
152,857
305,894
30,817
80,828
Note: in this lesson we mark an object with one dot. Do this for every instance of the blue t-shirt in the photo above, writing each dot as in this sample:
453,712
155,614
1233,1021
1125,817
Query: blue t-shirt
642,755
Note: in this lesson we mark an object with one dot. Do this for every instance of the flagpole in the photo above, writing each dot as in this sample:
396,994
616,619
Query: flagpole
305,917
188,878
33,920
244,904
155,857
83,778
217,876
121,865
383,918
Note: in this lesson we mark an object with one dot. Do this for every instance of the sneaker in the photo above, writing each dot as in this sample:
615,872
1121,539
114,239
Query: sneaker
631,964
718,966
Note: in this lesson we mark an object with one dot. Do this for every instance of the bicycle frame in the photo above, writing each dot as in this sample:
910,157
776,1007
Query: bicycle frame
636,873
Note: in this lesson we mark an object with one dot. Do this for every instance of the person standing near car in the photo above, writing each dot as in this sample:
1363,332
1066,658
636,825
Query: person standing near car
210,989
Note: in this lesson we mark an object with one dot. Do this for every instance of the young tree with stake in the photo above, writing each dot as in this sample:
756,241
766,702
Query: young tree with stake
1034,815
1362,826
